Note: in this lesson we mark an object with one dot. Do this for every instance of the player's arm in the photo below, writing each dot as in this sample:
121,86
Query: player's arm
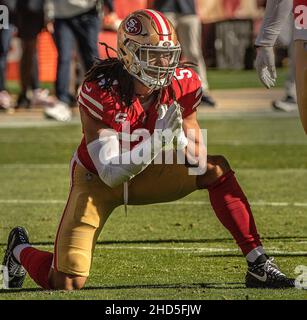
103,146
196,151
276,13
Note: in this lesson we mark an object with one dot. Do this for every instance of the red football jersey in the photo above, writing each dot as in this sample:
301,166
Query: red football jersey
106,106
298,3
300,20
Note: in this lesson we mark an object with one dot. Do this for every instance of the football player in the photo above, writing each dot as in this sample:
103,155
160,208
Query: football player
143,89
276,13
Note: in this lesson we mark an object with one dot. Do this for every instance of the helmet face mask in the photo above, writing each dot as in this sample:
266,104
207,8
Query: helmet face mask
149,56
155,66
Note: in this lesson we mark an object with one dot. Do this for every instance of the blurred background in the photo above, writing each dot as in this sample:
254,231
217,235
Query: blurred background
50,44
44,54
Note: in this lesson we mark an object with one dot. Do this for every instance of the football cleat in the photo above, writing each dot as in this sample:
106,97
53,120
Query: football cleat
16,272
263,273
5,100
60,111
288,104
41,97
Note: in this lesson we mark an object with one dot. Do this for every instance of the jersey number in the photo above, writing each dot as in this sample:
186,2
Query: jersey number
183,73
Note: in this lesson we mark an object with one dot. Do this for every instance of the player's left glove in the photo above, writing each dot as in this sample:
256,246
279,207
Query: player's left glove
177,134
180,141
265,66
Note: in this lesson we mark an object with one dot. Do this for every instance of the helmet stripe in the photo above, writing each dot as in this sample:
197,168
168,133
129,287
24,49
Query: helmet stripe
167,25
161,22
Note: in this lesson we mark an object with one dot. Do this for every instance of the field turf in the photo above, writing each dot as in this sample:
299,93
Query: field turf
169,251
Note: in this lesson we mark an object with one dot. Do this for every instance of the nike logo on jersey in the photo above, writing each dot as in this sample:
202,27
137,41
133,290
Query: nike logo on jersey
260,278
88,89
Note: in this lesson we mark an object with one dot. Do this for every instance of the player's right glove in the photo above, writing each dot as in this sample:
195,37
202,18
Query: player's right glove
265,66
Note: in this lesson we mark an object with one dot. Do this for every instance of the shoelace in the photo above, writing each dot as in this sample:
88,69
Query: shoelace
272,269
22,238
15,268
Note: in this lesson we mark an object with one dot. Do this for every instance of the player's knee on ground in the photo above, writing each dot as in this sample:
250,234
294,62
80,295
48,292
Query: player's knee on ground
217,166
63,281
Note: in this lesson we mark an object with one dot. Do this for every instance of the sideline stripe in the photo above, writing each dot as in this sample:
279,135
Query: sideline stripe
38,120
178,203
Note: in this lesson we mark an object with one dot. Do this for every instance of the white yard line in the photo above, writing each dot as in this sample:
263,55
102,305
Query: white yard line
257,142
234,143
35,123
38,166
32,166
186,249
226,142
202,249
178,203
30,201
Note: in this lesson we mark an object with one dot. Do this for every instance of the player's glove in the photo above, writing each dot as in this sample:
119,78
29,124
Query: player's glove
265,66
180,141
168,122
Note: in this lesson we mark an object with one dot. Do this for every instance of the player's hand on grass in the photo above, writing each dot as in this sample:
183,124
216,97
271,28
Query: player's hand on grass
265,66
168,122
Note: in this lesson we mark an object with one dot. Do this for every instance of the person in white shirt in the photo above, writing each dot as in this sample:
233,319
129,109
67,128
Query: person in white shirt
276,14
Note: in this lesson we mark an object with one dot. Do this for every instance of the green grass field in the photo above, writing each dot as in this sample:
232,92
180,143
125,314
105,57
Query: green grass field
218,79
169,251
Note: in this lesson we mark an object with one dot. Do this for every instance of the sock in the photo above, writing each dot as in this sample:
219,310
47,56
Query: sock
232,209
17,250
38,264
255,254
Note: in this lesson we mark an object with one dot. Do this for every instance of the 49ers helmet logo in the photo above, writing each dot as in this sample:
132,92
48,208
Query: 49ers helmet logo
133,26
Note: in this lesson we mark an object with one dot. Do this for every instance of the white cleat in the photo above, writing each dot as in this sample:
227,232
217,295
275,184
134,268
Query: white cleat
59,112
41,97
288,104
5,100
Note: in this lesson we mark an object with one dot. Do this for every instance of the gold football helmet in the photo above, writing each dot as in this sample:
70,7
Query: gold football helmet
148,47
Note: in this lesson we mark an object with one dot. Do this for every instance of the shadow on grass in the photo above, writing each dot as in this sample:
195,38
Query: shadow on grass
23,290
213,285
161,241
209,285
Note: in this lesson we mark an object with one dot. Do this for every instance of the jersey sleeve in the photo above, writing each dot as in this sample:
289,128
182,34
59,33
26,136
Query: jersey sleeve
276,14
96,102
188,90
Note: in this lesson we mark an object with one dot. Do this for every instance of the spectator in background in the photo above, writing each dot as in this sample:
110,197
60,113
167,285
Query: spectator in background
182,14
5,39
111,21
30,21
74,20
289,102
